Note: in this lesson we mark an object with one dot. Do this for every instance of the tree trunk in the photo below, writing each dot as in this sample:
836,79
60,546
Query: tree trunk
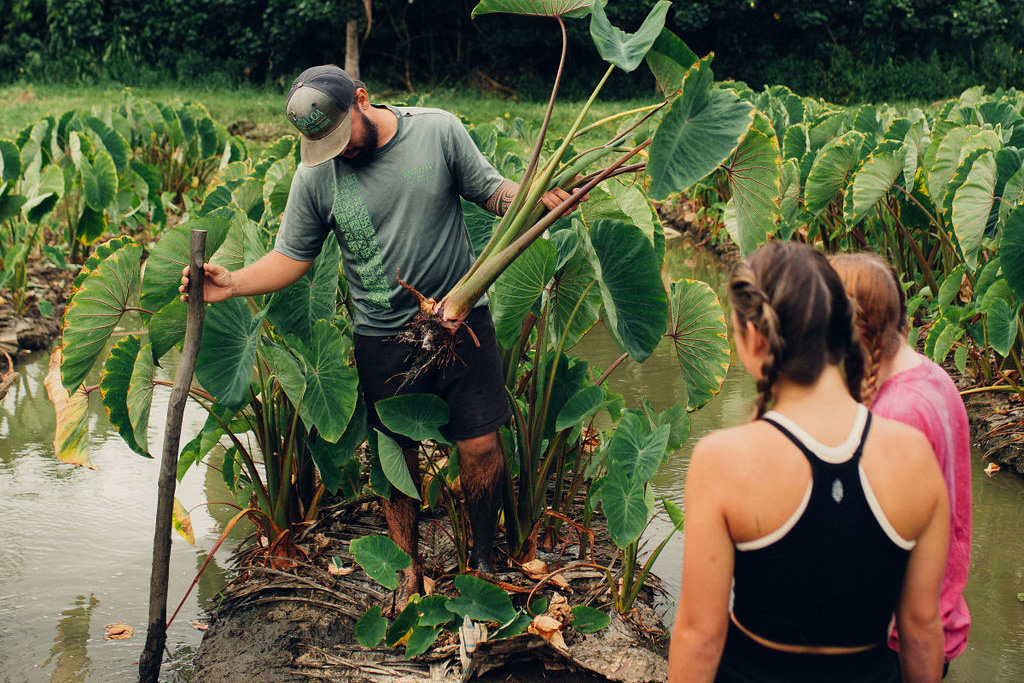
352,48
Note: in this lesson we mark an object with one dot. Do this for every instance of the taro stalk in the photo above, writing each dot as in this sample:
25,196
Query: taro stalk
702,127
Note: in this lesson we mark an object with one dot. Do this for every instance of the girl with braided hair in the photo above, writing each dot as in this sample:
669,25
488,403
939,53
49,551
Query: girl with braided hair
901,384
822,535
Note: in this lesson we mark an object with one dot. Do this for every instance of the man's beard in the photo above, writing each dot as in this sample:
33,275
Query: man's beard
365,152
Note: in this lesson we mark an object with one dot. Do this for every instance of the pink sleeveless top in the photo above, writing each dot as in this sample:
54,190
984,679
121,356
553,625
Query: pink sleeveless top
925,398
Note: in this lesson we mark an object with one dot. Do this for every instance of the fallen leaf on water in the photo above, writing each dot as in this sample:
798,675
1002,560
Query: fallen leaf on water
992,469
118,631
199,626
549,629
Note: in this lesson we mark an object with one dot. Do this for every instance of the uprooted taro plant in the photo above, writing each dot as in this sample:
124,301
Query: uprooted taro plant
670,145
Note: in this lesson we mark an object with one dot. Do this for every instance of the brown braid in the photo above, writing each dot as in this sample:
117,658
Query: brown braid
880,311
792,297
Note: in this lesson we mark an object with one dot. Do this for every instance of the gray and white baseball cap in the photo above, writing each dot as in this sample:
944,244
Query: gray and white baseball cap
318,106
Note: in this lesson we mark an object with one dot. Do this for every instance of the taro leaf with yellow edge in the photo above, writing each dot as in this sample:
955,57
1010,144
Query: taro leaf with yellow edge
182,522
94,310
755,179
698,331
71,437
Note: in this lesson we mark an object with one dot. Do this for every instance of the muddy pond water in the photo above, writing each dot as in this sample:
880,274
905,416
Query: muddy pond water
75,544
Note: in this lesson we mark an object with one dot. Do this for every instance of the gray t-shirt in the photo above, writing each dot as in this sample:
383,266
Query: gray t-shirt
399,215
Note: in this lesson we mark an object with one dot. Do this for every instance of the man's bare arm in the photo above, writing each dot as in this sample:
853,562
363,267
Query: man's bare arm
499,202
274,271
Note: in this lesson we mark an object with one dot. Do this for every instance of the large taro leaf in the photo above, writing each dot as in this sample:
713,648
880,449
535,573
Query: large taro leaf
99,180
416,416
480,224
329,398
71,436
167,327
518,288
629,275
92,225
874,179
95,309
101,252
575,297
972,205
701,129
380,558
626,50
336,462
242,245
115,387
1001,326
171,255
633,203
1011,247
698,331
392,462
10,161
626,508
541,8
140,394
755,181
227,352
481,601
668,59
115,145
636,450
831,171
314,296
580,407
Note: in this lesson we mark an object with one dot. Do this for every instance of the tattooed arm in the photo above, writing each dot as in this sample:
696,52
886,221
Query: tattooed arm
499,202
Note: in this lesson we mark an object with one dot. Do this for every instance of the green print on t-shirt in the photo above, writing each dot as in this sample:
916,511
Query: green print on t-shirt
353,219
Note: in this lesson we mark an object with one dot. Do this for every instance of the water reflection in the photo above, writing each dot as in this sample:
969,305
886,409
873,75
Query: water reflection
83,538
69,653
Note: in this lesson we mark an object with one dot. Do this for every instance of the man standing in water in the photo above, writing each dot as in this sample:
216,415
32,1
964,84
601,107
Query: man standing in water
387,181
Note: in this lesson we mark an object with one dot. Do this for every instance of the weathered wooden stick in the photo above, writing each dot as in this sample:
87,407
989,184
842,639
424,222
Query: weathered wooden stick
156,634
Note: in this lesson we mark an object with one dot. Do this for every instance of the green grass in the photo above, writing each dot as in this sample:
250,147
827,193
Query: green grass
24,103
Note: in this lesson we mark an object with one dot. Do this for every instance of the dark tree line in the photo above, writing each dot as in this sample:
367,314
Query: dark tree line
841,49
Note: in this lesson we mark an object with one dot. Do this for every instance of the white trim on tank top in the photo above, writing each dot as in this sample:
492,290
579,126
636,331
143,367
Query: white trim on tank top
835,455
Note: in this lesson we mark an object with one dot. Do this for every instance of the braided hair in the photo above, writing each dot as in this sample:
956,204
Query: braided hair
792,296
880,310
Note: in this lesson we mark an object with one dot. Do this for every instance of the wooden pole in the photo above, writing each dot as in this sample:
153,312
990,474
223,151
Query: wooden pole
156,634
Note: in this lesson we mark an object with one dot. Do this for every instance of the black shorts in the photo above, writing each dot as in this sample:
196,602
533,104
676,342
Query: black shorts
472,385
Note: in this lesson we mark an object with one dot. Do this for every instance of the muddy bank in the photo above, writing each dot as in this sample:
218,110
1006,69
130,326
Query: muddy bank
297,623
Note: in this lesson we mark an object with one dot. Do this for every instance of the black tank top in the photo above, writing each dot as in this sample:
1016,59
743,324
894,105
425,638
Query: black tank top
834,577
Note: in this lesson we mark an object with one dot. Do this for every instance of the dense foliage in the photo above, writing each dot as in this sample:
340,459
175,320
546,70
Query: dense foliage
843,51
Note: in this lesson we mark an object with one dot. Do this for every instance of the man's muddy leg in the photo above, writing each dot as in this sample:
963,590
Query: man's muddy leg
402,514
482,471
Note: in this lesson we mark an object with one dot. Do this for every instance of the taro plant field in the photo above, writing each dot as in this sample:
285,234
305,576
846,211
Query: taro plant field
112,194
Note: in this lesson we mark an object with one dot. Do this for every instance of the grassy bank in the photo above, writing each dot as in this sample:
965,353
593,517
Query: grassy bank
24,103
